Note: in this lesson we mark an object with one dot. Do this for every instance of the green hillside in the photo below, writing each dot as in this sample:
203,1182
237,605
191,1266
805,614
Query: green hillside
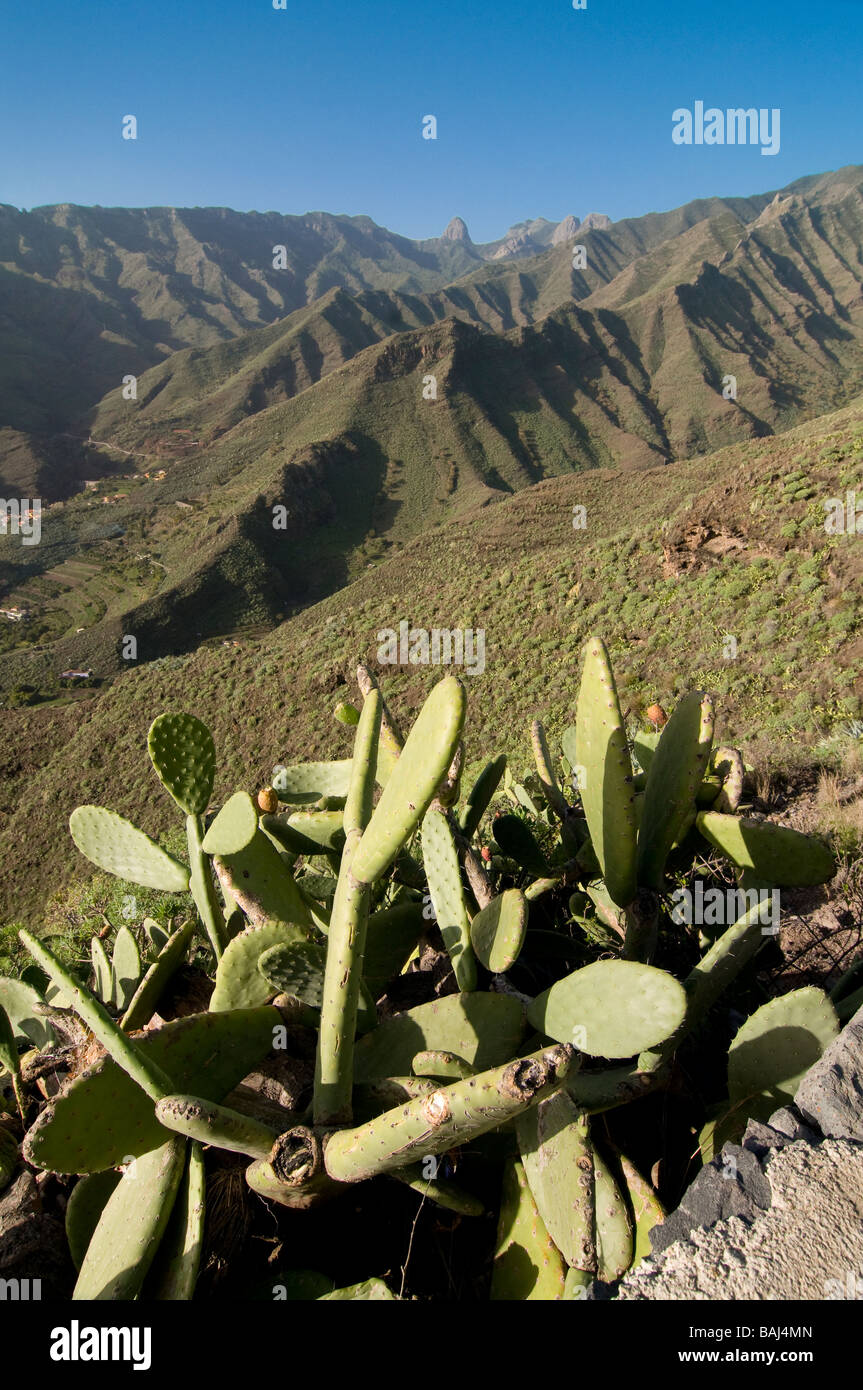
672,562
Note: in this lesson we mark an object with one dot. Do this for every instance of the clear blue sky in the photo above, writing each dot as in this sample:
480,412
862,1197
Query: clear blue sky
542,110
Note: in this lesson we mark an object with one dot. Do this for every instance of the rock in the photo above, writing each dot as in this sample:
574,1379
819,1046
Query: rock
33,1243
831,1093
456,230
596,221
732,1185
808,1244
565,230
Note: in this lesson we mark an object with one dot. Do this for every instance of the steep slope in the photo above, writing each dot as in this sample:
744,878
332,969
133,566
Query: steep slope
672,562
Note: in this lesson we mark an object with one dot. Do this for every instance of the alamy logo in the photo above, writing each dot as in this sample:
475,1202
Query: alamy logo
20,1290
852,1287
77,1343
22,518
417,646
735,126
720,907
846,518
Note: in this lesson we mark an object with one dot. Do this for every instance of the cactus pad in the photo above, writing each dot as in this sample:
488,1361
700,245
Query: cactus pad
239,982
676,772
136,1214
305,782
612,1008
125,968
527,1264
607,793
102,983
497,931
18,999
615,1241
84,1210
484,1029
114,844
184,756
234,828
296,969
774,854
143,1003
440,857
174,1271
555,1149
102,1117
776,1046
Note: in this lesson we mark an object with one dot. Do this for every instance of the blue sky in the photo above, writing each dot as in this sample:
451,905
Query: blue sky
542,110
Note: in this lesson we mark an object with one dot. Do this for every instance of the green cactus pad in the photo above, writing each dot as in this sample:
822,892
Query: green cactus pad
527,1264
143,1003
114,844
84,1210
484,1029
555,1149
647,1209
370,1291
184,756
480,795
612,1008
302,783
126,968
174,1272
217,1125
517,841
497,931
156,935
774,854
136,1214
102,982
102,1117
440,858
676,772
421,767
615,1242
444,1065
775,1048
607,794
322,829
296,969
234,828
391,940
239,982
18,999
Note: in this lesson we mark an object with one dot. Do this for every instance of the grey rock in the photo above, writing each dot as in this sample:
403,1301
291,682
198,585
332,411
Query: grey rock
732,1185
565,230
831,1092
596,221
456,230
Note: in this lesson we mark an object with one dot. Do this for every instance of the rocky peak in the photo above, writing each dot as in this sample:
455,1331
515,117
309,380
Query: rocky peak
597,221
456,230
565,230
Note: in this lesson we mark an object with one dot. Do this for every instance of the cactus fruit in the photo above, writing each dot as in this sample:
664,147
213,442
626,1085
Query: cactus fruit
480,795
126,968
84,1210
484,1029
183,753
612,1008
114,844
346,713
143,1003
440,858
174,1271
20,1000
453,1115
214,1124
497,932
675,774
555,1149
132,1224
205,1055
239,982
421,767
268,801
773,854
776,1046
607,793
527,1264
